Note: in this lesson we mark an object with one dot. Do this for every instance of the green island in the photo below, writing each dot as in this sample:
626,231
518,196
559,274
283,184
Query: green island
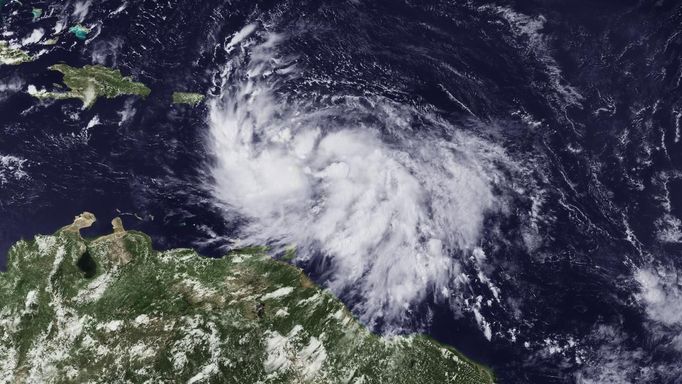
90,83
12,56
112,309
51,41
192,99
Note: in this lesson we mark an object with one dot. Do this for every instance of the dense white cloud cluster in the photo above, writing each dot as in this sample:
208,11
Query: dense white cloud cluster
349,178
661,295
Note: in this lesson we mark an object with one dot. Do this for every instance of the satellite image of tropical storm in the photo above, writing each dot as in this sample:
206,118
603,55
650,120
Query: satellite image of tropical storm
341,191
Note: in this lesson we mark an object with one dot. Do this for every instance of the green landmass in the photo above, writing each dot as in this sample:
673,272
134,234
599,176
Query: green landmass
12,56
187,98
80,31
90,83
51,41
112,309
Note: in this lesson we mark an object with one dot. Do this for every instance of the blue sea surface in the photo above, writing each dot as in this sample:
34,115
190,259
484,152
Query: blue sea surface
584,95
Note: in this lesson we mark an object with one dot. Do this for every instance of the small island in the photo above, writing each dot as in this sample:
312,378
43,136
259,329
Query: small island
12,56
192,99
90,83
80,31
113,309
36,12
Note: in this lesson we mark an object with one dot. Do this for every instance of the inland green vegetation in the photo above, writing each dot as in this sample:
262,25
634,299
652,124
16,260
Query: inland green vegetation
90,83
12,56
192,99
112,309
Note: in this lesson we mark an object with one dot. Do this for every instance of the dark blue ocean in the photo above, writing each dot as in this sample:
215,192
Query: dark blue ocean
561,120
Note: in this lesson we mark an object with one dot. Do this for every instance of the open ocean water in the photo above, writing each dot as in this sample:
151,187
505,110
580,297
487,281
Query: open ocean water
503,176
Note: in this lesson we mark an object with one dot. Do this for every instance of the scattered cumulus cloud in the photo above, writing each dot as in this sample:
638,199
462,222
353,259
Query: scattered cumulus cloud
615,358
11,168
612,362
661,295
81,9
9,86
